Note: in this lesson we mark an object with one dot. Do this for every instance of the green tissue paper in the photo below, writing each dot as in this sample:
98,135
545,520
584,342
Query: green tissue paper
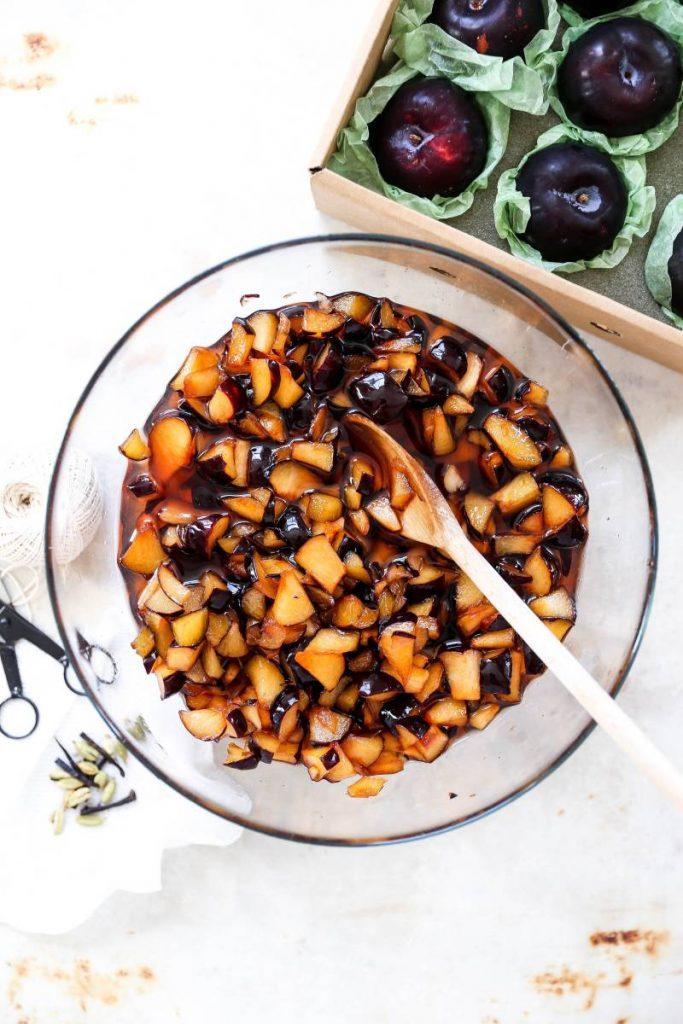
657,262
519,83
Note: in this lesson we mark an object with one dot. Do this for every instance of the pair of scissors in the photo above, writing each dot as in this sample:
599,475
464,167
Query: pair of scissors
19,715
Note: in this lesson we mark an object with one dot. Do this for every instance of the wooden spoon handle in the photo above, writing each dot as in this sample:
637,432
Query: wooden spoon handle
570,672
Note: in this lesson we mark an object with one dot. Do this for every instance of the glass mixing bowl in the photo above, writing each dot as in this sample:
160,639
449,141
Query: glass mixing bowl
479,773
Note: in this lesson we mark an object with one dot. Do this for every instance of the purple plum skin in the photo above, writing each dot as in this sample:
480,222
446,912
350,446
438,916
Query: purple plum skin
621,77
431,138
578,201
499,28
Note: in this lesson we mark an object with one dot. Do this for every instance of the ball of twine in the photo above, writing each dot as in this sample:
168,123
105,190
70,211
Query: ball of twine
24,486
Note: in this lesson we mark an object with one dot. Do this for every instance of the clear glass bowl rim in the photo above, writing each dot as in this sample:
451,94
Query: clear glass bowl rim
340,237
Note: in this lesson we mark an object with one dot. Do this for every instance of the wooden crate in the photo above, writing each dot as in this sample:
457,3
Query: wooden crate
588,310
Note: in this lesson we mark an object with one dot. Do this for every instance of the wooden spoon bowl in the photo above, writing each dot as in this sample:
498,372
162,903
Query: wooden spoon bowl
428,519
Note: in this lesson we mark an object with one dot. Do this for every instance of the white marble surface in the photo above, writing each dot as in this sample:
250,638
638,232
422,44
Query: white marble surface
106,205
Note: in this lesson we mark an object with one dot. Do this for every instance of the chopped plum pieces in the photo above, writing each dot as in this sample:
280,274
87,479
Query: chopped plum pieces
135,447
449,351
274,592
379,396
205,724
172,447
144,553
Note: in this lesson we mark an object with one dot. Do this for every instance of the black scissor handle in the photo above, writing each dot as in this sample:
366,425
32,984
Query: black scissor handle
8,656
68,670
102,664
14,627
10,704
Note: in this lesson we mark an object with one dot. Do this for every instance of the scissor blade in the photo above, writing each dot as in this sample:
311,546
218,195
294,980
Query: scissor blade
14,626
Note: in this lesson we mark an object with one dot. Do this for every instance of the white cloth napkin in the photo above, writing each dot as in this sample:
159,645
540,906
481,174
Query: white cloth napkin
51,883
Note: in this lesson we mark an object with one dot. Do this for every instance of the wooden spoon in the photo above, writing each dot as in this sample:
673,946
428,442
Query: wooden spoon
428,519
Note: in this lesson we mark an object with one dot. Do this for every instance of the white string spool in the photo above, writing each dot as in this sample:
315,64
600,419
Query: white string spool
23,506
79,508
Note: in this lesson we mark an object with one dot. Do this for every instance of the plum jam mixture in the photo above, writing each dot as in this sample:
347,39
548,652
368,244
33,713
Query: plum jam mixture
263,553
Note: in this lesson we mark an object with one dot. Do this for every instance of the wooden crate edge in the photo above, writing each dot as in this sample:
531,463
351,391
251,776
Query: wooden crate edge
587,310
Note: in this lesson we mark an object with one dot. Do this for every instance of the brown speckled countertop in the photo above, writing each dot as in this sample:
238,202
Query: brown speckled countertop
564,908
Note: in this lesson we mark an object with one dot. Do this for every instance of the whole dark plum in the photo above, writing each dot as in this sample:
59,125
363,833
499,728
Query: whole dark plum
578,201
675,268
500,28
621,77
431,138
